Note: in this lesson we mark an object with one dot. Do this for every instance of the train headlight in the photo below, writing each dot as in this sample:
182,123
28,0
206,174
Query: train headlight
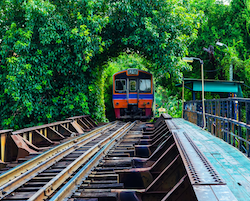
148,103
117,103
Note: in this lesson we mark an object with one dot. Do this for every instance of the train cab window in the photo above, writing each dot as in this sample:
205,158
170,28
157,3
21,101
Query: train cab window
145,85
132,85
120,85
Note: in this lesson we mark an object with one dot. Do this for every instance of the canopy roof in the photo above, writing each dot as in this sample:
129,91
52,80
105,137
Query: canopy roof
214,86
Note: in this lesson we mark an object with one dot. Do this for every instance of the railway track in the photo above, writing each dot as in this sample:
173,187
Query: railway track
44,176
128,167
157,163
19,146
118,162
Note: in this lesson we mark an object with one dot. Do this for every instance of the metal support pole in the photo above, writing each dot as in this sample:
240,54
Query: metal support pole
231,65
231,72
248,131
3,142
183,98
203,104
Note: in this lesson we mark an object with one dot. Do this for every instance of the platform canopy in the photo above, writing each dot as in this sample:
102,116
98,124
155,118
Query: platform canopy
214,86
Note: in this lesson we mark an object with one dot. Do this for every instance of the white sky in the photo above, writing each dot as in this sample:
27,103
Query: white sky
226,2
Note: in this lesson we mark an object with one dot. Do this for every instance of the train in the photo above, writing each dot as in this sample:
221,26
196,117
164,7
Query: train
133,94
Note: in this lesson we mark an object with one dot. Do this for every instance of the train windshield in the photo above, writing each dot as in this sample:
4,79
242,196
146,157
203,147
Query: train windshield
120,85
145,85
132,85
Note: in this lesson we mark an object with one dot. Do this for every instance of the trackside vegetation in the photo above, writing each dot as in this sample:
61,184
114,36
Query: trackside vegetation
52,52
57,56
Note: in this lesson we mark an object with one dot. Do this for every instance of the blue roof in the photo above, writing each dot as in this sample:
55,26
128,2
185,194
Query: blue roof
215,86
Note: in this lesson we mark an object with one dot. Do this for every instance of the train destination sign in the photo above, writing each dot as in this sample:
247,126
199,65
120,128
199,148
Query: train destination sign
132,71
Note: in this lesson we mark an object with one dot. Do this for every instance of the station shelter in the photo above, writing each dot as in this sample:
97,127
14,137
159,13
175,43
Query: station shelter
233,88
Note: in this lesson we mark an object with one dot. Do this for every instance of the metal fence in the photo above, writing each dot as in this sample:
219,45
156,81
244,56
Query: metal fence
228,119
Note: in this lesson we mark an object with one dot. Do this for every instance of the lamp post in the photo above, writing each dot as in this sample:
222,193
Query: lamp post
191,59
231,65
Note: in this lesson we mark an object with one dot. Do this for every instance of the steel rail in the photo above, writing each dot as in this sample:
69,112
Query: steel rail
67,190
57,181
39,127
5,131
19,175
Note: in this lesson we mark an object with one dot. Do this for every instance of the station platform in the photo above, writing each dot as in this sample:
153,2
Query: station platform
232,165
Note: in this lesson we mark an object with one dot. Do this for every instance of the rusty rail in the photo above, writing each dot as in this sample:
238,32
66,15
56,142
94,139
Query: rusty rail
93,155
14,178
158,164
161,163
21,143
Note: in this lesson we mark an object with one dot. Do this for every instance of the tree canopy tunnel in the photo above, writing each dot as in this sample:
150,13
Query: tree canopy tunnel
53,52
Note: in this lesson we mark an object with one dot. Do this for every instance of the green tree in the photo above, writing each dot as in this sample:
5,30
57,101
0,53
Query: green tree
45,53
228,24
53,52
160,31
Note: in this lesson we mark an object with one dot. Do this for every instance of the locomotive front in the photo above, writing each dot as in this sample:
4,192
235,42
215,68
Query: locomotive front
133,94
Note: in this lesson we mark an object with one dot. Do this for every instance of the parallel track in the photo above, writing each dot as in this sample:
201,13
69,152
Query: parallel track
104,178
120,170
43,176
118,162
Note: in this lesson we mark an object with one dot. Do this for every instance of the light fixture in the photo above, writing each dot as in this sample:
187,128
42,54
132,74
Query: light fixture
188,59
220,44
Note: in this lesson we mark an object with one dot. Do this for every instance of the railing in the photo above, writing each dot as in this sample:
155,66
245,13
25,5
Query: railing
20,143
228,119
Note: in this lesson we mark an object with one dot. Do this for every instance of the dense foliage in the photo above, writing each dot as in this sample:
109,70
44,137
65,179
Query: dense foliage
228,24
57,57
45,53
164,98
52,52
